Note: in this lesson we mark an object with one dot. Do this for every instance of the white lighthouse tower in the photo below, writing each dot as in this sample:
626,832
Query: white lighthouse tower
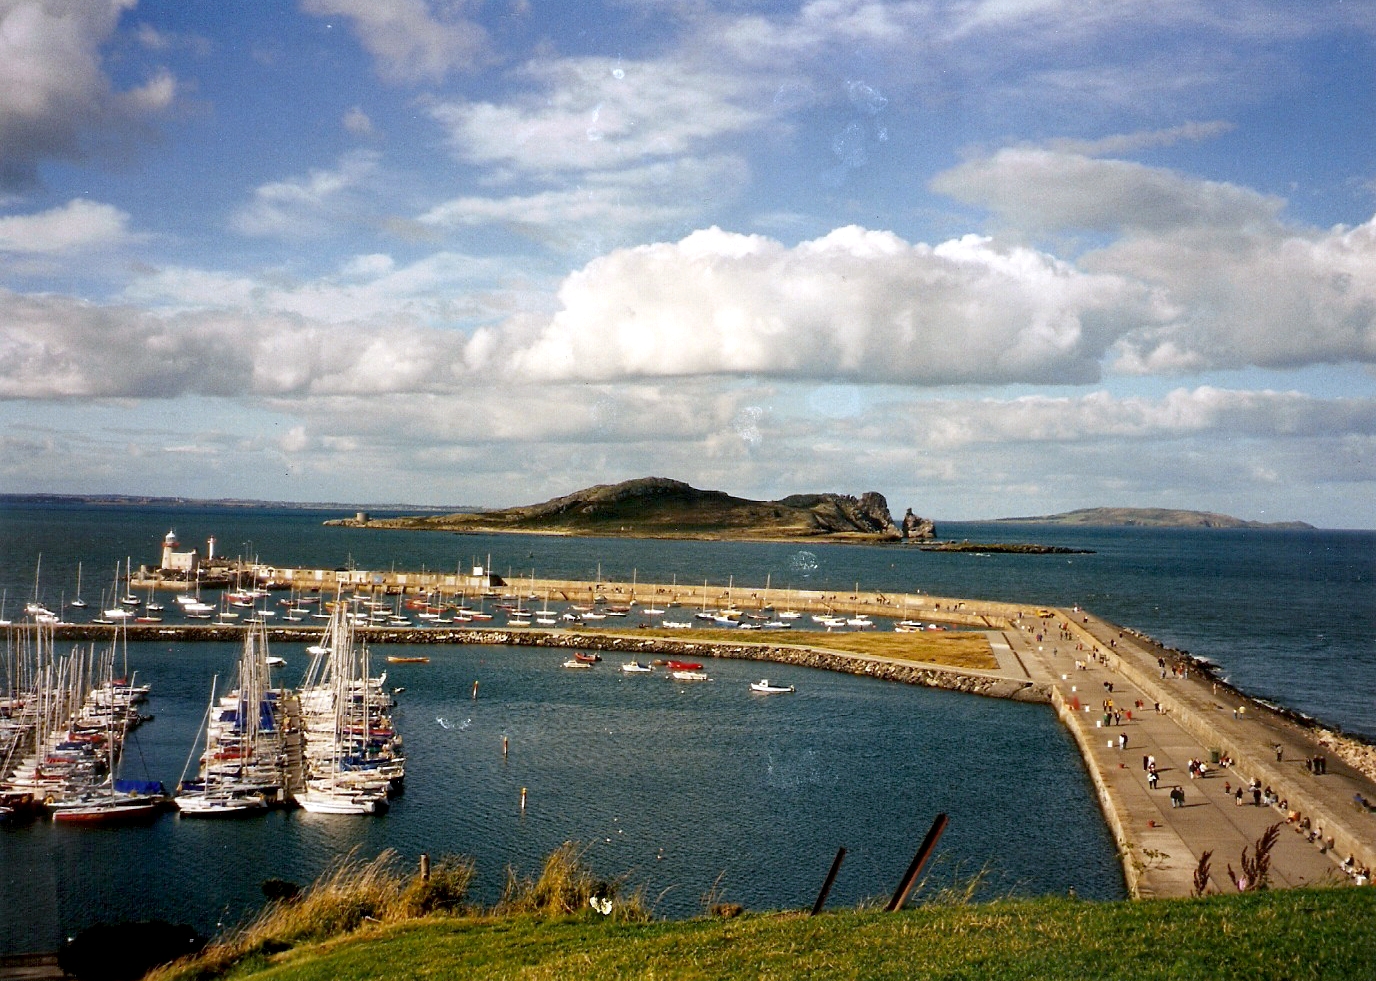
169,546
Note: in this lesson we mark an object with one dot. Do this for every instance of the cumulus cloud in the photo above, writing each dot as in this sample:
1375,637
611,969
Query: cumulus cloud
856,304
79,224
1235,284
411,40
1268,295
55,96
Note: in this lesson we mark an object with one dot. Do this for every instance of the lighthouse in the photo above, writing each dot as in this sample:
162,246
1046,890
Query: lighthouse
169,546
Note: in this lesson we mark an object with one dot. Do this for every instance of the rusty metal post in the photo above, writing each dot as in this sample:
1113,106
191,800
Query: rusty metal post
924,852
830,880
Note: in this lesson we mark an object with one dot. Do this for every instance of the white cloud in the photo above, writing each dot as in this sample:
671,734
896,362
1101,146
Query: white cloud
1235,284
1268,295
356,121
410,40
301,206
79,224
55,95
950,424
1039,190
653,196
856,304
577,116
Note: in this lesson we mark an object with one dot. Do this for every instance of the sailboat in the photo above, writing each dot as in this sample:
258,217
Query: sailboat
79,603
228,786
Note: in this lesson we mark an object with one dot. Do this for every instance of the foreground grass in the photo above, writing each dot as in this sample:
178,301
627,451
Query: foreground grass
1269,935
957,649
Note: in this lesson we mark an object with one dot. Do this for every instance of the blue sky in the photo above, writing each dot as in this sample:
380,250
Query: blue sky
987,257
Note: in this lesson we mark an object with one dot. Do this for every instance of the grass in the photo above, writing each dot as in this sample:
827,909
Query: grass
1289,934
956,649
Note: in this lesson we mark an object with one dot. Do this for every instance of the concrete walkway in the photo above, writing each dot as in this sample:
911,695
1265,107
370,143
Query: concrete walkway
1162,844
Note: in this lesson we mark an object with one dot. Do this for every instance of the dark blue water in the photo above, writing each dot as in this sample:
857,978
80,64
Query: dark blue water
681,787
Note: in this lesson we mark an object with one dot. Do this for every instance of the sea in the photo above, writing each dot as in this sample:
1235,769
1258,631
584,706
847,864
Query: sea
687,794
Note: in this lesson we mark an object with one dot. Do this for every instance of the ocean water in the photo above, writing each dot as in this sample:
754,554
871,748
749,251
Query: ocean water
684,790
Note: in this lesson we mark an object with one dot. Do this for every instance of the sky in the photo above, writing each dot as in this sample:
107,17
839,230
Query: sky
986,257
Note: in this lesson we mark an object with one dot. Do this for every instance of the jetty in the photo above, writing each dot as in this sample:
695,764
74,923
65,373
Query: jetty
1166,706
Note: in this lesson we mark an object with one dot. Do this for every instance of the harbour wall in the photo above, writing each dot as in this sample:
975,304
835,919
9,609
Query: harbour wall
1205,718
630,643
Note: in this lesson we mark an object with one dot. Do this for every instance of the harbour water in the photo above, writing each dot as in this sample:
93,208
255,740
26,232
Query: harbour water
685,789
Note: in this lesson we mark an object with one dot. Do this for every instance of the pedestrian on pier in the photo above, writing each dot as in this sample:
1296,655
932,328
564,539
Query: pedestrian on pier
1152,778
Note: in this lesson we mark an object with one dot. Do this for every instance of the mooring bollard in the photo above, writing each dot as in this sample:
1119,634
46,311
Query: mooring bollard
924,851
830,880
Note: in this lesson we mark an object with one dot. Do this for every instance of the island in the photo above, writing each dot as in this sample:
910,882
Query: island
659,507
1152,518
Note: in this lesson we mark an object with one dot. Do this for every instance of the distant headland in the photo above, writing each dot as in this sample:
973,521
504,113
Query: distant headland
1151,518
658,507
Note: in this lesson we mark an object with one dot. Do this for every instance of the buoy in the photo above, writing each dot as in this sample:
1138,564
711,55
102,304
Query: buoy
523,798
475,691
504,747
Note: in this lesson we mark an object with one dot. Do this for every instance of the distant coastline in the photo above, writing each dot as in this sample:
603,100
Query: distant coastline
1099,517
141,500
1150,518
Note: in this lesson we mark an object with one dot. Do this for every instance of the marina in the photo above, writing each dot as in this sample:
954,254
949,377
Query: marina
1025,787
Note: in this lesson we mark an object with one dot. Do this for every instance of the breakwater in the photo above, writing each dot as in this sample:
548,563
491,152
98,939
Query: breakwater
801,652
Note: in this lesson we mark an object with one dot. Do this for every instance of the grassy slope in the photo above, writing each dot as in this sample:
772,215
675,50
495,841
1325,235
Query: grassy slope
957,649
1290,934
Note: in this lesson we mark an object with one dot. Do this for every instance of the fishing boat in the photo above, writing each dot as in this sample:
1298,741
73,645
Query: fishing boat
764,687
689,676
635,667
587,658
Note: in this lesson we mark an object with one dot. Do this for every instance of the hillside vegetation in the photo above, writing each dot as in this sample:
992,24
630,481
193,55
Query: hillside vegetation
1254,936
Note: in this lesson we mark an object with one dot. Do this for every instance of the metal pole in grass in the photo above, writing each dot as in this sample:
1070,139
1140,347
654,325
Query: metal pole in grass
830,880
924,852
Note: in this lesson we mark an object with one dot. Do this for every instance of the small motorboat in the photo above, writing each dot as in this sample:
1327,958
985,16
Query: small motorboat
689,676
683,665
764,687
587,658
573,662
635,667
398,659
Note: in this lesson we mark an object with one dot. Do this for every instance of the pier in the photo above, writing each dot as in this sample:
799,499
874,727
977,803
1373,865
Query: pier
1064,658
